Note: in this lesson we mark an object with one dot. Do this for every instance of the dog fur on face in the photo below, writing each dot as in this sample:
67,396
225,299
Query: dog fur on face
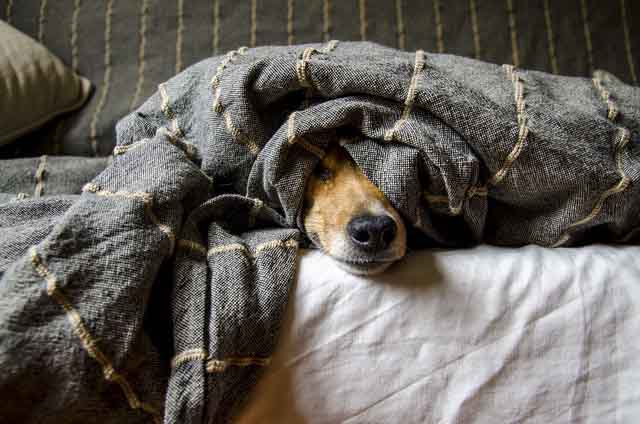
349,218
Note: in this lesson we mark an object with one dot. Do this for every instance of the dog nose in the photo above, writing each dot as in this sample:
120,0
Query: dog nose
372,233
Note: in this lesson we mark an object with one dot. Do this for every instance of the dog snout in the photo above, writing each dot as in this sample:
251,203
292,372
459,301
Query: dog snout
372,233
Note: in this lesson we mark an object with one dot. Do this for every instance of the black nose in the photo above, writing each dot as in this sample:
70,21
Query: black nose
372,233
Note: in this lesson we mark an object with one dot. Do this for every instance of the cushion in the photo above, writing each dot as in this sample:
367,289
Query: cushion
35,85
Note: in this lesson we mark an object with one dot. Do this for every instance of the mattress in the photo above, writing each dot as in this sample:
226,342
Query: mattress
484,335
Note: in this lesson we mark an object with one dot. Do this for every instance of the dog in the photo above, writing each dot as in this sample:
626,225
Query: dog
349,218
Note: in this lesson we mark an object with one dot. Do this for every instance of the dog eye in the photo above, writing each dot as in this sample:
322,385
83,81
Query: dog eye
324,174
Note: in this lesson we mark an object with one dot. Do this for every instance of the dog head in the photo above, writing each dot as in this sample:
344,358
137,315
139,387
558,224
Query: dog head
349,218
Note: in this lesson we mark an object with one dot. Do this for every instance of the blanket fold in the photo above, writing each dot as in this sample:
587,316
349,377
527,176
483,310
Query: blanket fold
150,286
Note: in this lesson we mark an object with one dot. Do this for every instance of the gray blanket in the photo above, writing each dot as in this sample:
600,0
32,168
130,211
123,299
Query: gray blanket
150,286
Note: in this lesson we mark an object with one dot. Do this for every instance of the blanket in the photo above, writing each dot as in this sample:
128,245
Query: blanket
150,285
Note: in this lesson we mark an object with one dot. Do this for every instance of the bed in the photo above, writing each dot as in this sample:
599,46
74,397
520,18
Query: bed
472,334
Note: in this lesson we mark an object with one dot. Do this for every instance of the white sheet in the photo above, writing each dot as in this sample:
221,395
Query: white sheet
486,335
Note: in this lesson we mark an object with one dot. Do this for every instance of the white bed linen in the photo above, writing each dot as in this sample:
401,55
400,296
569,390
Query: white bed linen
486,335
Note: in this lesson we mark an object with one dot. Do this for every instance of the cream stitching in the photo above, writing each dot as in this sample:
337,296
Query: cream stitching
179,31
217,365
400,25
551,44
523,130
9,11
216,26
42,19
233,247
254,23
40,173
605,95
474,27
239,136
144,14
292,138
471,192
627,42
146,198
119,150
587,33
362,7
275,244
438,20
175,133
106,81
21,196
623,139
301,67
411,94
290,34
192,245
326,20
74,36
89,343
189,355
258,249
215,80
513,30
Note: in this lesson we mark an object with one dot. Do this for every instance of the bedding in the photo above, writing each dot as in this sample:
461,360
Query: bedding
486,335
35,86
157,291
127,48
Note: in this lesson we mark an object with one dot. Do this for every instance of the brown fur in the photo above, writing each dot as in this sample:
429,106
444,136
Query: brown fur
336,193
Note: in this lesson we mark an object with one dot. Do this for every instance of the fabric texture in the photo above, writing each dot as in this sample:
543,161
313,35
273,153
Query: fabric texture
127,48
157,291
482,335
35,86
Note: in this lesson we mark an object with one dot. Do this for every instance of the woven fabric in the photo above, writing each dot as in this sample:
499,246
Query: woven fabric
155,290
126,48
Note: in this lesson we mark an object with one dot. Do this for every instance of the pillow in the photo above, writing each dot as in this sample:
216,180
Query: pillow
35,86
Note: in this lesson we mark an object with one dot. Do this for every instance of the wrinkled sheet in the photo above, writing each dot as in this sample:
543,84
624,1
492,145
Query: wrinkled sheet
487,335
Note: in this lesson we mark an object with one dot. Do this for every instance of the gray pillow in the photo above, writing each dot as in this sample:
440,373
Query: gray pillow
35,86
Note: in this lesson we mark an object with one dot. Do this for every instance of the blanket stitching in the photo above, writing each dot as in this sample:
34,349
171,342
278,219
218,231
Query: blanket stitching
623,140
89,343
605,96
192,245
418,66
40,174
292,138
175,133
215,80
217,365
240,136
523,130
146,198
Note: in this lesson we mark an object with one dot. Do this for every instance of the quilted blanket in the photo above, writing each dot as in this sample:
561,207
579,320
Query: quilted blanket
150,285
